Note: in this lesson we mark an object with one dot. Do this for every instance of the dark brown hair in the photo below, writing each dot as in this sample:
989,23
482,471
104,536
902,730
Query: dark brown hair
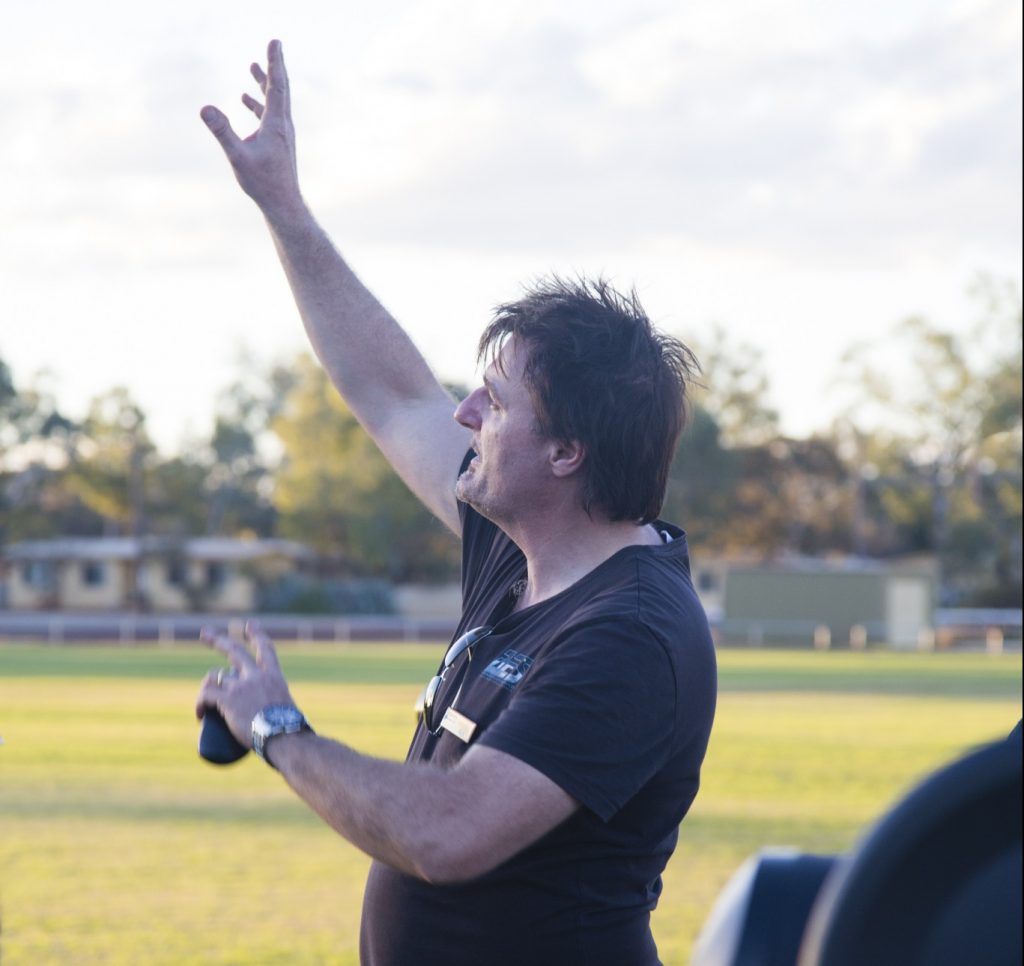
603,376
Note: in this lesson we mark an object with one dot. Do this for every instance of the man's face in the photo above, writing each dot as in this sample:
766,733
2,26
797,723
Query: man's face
508,474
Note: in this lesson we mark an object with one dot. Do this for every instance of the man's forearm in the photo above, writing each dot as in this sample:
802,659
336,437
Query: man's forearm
442,825
369,358
394,812
367,354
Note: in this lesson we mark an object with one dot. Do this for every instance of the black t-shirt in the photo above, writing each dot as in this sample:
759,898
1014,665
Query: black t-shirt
608,689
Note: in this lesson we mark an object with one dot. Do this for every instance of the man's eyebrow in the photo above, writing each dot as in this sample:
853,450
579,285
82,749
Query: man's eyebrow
491,388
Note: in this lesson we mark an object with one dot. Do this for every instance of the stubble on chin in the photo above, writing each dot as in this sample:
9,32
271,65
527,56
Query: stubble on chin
464,489
466,492
461,487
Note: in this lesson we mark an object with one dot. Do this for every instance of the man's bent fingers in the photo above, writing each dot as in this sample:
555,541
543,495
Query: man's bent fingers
254,105
259,76
266,653
236,653
220,127
206,698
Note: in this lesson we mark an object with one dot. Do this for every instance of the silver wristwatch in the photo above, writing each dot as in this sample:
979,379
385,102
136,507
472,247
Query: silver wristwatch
274,720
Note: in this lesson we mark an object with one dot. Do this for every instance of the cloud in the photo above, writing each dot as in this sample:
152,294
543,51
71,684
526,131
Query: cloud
818,145
787,127
750,161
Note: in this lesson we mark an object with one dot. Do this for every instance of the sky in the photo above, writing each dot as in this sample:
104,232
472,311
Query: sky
803,174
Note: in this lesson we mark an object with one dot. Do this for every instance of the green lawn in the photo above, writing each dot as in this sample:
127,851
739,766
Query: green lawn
119,846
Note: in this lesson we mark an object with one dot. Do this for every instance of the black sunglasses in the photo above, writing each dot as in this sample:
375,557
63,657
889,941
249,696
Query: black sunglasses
425,702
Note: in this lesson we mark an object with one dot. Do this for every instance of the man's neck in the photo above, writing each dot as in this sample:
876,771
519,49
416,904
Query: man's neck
559,553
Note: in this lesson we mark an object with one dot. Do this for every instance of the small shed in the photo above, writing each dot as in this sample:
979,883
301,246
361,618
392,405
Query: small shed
851,600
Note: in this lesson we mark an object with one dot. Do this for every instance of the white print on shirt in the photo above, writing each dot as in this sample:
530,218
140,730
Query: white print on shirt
508,670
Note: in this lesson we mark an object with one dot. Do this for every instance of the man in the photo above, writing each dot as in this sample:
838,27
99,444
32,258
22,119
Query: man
561,741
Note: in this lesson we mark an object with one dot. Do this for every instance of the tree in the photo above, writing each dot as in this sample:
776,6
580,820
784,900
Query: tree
336,492
725,480
8,394
30,421
109,468
702,481
176,499
739,485
958,421
36,441
810,480
241,448
734,390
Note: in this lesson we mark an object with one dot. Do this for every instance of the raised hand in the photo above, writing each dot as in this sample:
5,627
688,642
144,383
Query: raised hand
264,162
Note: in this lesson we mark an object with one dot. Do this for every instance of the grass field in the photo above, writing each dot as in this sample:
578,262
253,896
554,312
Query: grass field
119,846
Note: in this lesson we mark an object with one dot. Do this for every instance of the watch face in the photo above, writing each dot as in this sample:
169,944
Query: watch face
280,717
276,719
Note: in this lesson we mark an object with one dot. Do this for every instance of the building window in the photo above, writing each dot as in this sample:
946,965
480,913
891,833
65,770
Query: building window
37,573
93,573
707,581
176,573
215,575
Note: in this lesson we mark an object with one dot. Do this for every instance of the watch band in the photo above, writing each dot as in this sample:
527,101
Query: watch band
274,720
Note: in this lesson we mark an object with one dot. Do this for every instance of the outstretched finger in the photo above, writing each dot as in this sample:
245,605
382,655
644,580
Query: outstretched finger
236,653
259,76
266,653
277,78
254,105
221,128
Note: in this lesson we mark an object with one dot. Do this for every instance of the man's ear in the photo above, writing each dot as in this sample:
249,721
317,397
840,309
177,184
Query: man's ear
566,457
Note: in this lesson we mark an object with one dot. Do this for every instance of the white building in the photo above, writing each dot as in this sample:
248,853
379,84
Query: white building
217,574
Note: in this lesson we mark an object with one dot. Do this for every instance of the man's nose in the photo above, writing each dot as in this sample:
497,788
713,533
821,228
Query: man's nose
467,413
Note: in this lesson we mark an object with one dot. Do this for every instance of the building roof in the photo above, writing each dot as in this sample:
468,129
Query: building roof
135,548
918,566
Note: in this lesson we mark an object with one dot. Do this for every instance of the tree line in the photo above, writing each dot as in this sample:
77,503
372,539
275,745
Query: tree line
929,465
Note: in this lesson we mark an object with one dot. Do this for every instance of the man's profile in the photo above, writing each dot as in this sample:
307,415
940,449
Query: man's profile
560,742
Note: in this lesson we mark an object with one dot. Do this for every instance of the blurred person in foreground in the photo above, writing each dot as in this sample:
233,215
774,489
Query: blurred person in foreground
560,744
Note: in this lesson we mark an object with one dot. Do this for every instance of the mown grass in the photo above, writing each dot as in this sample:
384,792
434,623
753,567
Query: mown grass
118,845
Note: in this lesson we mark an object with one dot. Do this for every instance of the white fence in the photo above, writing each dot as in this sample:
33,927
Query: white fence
992,629
59,626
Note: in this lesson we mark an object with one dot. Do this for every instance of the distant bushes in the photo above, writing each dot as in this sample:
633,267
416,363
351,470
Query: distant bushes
304,594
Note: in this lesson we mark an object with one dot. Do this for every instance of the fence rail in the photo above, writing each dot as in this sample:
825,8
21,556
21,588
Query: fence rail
59,626
989,628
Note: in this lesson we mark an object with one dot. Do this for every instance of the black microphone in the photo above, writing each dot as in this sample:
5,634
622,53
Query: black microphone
216,742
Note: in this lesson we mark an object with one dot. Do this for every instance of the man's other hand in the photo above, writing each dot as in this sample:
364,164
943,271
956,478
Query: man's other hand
254,680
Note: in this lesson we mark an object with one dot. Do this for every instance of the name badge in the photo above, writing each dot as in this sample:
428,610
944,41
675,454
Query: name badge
458,724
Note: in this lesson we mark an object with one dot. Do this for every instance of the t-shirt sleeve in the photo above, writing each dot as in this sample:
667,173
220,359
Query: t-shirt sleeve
596,714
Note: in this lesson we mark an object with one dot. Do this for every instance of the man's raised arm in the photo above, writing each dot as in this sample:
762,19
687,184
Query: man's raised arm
368,356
